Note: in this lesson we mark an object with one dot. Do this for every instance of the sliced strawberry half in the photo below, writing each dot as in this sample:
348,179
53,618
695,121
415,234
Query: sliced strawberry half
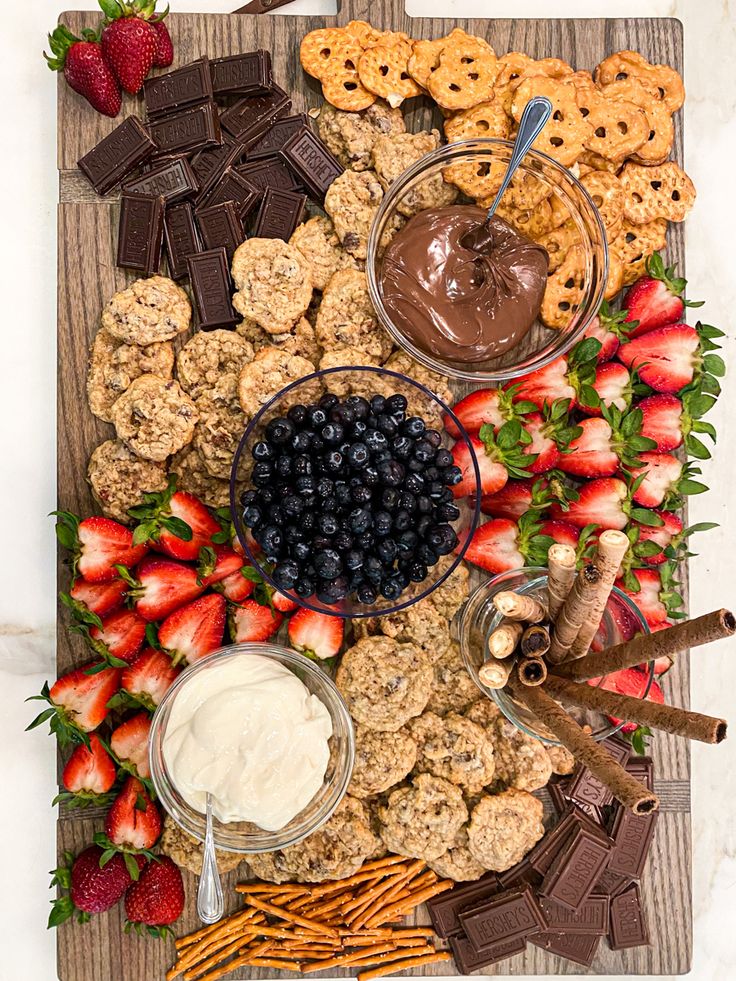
99,597
88,775
485,406
218,563
500,455
129,742
282,603
613,386
663,535
133,822
561,532
98,545
119,638
148,677
493,475
660,476
603,502
656,300
195,630
545,385
250,622
609,327
513,500
317,635
646,589
665,358
175,522
78,701
237,587
662,421
163,585
591,454
500,545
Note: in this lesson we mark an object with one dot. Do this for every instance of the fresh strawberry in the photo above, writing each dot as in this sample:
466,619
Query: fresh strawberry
662,421
133,823
129,742
609,328
630,682
282,603
486,407
157,898
660,477
664,535
78,701
656,299
92,887
666,358
513,500
163,585
647,590
195,630
567,377
98,544
316,635
493,475
88,775
500,544
561,532
603,502
551,434
119,638
84,68
100,598
175,523
591,454
500,455
236,587
250,621
217,563
129,44
164,45
613,387
148,677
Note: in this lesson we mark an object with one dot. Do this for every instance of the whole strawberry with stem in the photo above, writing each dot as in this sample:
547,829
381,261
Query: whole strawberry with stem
156,899
85,69
89,887
656,300
129,43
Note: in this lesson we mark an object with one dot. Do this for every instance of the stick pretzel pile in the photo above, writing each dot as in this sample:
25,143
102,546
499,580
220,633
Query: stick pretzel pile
307,928
540,653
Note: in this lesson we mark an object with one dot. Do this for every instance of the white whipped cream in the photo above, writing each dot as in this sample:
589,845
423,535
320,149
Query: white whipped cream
249,732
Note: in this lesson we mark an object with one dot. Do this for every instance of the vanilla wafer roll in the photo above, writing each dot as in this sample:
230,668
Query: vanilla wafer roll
575,611
519,606
504,639
561,561
612,547
495,674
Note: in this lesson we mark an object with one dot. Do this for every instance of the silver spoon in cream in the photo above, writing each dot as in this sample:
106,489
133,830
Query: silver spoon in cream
210,901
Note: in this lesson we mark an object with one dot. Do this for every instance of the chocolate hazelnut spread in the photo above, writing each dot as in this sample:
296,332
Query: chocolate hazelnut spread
458,302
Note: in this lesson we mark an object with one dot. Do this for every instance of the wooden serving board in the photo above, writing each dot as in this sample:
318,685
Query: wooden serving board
88,276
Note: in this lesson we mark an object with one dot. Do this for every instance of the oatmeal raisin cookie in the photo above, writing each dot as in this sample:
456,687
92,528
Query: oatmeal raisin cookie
392,155
119,479
380,763
320,246
457,862
453,690
212,359
503,828
350,136
274,283
422,820
453,748
148,311
219,430
154,418
271,370
194,478
352,201
346,320
114,366
186,851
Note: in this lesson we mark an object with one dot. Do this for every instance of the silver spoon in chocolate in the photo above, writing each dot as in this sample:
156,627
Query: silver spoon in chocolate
210,901
536,113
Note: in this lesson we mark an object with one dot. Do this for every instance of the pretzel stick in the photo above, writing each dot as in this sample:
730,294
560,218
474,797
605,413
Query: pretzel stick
668,718
292,917
519,606
495,674
561,575
396,955
586,750
349,958
379,972
374,866
267,887
385,895
531,671
273,962
221,971
648,647
612,547
220,935
411,902
504,639
574,611
215,927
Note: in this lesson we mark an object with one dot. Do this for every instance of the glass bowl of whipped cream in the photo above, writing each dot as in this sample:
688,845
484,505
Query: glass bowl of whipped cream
262,729
504,307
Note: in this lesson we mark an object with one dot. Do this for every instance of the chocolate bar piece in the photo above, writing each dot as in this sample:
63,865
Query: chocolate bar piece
643,769
279,214
510,915
278,135
591,918
584,788
178,89
611,883
309,157
221,227
210,279
249,118
444,909
209,165
628,921
541,857
182,238
188,130
468,959
232,186
269,172
578,947
110,162
173,179
242,74
573,874
521,874
632,838
558,791
140,232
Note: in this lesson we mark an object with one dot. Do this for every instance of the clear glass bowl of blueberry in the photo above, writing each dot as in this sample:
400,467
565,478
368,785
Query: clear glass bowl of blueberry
342,492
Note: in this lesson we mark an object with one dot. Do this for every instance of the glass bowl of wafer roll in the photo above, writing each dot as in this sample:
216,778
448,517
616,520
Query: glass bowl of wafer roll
512,631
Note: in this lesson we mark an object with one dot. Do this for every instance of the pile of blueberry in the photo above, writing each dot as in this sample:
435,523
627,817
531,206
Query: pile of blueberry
351,498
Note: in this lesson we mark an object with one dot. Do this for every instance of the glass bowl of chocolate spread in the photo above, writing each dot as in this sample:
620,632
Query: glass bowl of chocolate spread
492,307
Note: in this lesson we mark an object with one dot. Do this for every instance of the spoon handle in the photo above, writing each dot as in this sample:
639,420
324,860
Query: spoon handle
210,901
536,113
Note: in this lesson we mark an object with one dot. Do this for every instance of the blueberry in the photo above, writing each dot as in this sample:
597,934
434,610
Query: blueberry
372,568
361,494
431,473
330,504
249,497
402,447
343,540
343,414
415,466
301,551
452,476
390,589
413,427
414,483
328,563
386,425
252,515
325,487
402,520
358,456
370,476
342,492
359,405
271,541
302,466
378,404
396,403
280,431
306,485
263,451
433,437
283,466
417,571
333,461
382,456
309,500
359,520
426,554
387,550
333,591
304,587
435,490
391,472
375,441
285,573
442,539
328,401
443,458
367,594
447,512
354,559
332,433
308,521
382,523
356,579
366,541
316,416
407,541
358,429
327,524
446,497
318,444
297,414
320,541
407,501
302,442
293,505
262,473
389,498
424,451
268,495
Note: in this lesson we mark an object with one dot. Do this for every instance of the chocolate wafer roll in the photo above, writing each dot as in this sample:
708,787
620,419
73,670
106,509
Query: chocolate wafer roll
648,647
668,718
574,612
535,641
612,547
532,671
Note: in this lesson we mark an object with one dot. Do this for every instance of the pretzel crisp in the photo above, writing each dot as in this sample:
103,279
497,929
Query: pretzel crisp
564,291
664,191
566,133
465,74
382,69
665,81
635,243
658,145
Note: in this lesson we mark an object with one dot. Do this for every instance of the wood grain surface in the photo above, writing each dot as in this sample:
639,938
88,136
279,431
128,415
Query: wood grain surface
87,231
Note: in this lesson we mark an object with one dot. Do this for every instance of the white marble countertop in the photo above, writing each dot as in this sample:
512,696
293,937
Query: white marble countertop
27,396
